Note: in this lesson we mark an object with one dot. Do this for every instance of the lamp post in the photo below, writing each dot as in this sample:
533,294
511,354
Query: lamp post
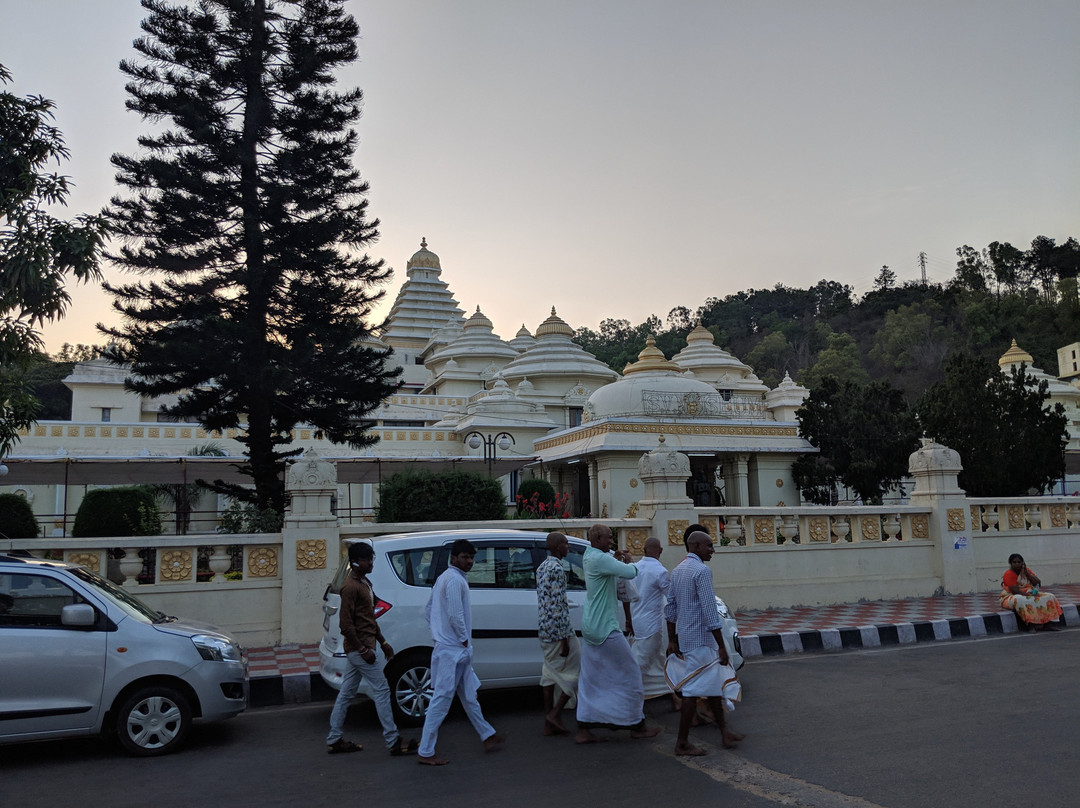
491,443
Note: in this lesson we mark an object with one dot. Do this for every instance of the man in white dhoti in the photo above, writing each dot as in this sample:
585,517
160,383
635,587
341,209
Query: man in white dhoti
694,635
562,650
450,618
609,685
645,619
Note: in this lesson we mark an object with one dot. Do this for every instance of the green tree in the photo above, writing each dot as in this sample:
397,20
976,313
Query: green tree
38,253
840,360
865,434
247,216
771,358
1010,440
885,280
914,341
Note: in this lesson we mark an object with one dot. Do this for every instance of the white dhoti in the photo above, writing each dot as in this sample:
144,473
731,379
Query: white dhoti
561,671
650,654
699,674
609,686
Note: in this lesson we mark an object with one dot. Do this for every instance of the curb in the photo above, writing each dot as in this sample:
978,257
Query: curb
840,639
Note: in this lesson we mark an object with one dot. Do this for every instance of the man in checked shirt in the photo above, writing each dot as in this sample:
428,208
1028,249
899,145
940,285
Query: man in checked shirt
694,635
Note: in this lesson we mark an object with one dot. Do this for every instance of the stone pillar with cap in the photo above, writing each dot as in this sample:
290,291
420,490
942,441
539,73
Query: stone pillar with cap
663,473
935,469
309,546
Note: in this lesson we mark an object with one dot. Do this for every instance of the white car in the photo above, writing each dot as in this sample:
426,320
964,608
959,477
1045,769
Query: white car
81,656
504,610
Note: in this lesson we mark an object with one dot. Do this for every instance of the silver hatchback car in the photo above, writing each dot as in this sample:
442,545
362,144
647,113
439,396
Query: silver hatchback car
81,656
504,610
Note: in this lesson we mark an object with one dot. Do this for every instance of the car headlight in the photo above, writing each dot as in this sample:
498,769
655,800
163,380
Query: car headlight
216,649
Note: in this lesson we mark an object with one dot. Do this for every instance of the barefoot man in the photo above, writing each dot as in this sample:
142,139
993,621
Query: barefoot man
694,634
645,620
450,618
610,694
562,650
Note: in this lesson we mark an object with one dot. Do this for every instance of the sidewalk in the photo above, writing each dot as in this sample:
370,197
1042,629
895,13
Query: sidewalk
290,674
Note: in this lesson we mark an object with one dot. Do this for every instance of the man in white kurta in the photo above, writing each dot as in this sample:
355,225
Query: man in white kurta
609,685
646,619
450,618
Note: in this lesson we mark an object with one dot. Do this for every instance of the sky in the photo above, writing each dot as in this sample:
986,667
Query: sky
619,158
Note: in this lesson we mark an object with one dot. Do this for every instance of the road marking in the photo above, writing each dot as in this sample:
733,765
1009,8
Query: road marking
727,767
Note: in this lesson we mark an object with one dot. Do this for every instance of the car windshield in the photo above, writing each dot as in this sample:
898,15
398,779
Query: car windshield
131,605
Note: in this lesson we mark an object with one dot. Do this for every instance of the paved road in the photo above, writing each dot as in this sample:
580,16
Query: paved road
960,723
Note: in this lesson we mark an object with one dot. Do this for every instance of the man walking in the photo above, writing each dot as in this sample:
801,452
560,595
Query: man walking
695,636
645,619
450,617
562,650
609,686
367,652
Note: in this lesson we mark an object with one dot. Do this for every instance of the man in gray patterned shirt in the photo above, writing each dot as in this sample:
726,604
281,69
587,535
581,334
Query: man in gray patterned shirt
562,649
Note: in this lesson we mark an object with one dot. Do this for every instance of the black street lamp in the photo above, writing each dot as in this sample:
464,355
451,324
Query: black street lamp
491,443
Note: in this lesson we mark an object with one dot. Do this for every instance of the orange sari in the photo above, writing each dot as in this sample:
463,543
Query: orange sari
1033,606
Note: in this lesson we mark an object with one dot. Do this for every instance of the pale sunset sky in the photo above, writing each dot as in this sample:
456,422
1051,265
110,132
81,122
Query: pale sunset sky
615,158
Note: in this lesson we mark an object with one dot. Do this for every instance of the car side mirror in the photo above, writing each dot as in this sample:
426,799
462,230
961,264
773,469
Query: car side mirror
78,615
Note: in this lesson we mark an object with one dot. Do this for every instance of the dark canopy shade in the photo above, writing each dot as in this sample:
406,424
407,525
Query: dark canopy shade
172,470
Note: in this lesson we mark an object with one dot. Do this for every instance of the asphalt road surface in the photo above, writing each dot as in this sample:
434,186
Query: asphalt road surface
962,724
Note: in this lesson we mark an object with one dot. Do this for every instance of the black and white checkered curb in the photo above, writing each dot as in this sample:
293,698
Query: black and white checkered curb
838,639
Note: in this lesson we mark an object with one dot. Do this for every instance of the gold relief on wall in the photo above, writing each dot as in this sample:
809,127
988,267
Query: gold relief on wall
1016,518
106,432
635,540
675,530
427,436
400,436
954,517
764,531
185,433
200,433
603,483
121,432
311,554
576,532
870,527
73,431
92,561
1057,516
138,432
440,436
262,562
170,432
819,528
976,518
175,565
631,512
920,526
633,482
154,432
91,432
39,432
305,434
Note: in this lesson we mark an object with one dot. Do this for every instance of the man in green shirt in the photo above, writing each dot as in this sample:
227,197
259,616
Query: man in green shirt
610,693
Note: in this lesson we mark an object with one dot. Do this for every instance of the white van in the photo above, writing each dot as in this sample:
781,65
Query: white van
504,611
81,656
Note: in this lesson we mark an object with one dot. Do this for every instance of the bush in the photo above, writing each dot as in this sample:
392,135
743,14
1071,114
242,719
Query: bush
424,496
535,487
240,517
124,511
17,518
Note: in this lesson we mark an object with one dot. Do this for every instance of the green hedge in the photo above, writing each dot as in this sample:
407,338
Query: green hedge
424,496
534,486
17,518
124,511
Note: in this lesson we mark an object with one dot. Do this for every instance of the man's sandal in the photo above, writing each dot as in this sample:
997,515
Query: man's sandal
402,748
341,746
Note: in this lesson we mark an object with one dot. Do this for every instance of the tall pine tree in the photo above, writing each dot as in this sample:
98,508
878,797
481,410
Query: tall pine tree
245,215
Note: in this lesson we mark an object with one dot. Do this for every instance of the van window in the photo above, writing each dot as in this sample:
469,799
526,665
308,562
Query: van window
417,567
575,568
503,567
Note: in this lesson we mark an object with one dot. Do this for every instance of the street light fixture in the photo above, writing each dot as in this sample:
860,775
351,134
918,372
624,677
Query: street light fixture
491,444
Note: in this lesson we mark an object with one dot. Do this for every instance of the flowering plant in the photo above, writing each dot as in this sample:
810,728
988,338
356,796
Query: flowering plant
535,508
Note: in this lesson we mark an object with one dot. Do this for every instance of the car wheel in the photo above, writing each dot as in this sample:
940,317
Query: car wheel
409,677
153,720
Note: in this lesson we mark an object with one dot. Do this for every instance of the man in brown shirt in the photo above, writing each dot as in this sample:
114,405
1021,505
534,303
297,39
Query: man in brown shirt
367,652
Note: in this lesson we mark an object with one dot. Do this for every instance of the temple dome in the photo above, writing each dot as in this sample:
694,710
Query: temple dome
554,325
653,386
423,258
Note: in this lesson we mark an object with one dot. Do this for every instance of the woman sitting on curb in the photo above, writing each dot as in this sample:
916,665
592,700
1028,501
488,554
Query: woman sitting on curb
1020,592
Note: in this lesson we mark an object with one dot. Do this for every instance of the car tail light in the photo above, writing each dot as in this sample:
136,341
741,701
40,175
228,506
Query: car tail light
381,607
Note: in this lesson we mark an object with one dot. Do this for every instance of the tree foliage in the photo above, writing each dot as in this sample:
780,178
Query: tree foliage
38,253
1010,441
865,434
245,215
424,496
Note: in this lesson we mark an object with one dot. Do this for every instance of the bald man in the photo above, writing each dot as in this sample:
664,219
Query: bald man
645,619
